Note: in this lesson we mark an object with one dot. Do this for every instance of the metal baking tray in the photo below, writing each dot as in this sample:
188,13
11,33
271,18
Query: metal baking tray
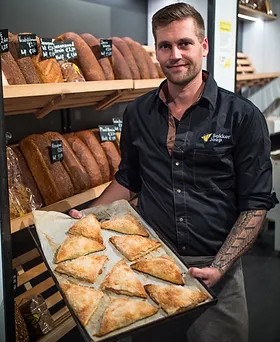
51,228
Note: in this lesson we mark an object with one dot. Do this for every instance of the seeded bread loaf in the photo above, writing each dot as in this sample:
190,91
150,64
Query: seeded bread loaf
72,165
52,179
105,64
96,149
11,69
87,61
112,155
86,159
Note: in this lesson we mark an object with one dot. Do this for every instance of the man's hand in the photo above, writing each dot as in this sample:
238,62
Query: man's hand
75,214
209,275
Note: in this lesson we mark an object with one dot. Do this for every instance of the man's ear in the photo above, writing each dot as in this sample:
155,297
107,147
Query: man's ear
205,47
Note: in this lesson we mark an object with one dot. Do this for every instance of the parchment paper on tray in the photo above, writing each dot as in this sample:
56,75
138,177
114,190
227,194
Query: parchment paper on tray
52,230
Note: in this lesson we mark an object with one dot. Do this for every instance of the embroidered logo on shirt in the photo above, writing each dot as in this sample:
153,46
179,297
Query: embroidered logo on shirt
212,137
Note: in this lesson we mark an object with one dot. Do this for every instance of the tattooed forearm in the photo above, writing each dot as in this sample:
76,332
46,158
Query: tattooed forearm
240,238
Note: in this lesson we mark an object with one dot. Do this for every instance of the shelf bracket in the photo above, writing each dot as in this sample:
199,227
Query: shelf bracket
50,106
111,99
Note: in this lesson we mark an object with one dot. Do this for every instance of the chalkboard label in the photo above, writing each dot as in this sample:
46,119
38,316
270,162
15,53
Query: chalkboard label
27,45
4,41
65,50
105,48
56,151
107,133
47,47
14,279
118,124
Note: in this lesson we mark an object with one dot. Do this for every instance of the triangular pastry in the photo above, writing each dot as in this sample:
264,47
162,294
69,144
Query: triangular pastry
88,227
85,268
122,280
173,298
162,267
75,246
122,312
83,300
127,224
134,247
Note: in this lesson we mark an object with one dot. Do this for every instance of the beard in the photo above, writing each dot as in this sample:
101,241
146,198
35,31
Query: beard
183,77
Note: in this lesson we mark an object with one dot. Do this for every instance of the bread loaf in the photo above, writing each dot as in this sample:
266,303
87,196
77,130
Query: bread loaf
139,54
120,67
151,65
105,64
52,179
11,69
25,64
4,79
87,61
86,159
160,72
128,56
112,155
28,179
95,148
71,72
72,165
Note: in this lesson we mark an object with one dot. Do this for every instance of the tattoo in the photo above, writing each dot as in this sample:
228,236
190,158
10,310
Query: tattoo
240,238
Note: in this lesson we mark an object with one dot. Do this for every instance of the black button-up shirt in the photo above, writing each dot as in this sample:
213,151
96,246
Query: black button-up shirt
219,166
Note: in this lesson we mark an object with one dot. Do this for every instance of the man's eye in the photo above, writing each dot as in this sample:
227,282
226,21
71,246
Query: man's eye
184,44
164,46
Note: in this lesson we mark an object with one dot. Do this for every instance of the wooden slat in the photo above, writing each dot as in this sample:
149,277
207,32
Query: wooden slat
241,55
59,315
147,84
60,331
41,287
243,62
26,257
31,274
243,77
54,299
245,69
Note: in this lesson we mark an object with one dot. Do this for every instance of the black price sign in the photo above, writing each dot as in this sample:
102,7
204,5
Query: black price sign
107,133
27,45
4,41
47,47
118,124
14,279
56,151
105,48
65,50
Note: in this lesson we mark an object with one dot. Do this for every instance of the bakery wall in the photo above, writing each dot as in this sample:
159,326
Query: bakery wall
49,18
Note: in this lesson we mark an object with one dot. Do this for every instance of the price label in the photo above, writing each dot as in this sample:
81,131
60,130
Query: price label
107,133
65,50
27,45
105,48
14,279
117,124
4,41
56,151
47,47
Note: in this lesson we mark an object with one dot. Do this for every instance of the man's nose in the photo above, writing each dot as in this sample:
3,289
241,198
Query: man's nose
175,53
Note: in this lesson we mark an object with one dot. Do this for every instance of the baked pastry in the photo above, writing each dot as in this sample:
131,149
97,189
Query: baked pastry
86,268
122,280
174,298
122,312
88,227
127,224
162,267
75,246
83,300
134,246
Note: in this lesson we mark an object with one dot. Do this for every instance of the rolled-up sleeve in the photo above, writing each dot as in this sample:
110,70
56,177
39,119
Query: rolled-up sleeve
253,165
128,174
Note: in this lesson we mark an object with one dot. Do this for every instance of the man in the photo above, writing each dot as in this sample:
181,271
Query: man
199,157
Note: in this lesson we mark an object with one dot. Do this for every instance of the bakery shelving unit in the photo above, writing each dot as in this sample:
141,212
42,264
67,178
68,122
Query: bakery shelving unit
41,99
255,13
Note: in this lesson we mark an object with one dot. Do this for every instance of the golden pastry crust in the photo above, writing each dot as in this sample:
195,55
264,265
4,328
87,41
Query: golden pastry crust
127,224
86,268
83,300
134,246
88,227
162,267
122,280
122,312
174,298
75,246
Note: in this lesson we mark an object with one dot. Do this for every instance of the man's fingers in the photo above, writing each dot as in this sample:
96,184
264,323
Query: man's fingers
75,214
198,273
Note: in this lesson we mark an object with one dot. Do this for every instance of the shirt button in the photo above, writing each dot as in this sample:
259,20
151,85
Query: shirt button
179,190
177,163
184,248
181,219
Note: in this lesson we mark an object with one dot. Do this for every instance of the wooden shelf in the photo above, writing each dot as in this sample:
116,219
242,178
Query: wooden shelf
62,206
41,99
255,14
251,80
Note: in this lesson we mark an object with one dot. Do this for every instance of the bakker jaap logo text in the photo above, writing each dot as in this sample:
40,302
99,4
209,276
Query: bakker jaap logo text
213,137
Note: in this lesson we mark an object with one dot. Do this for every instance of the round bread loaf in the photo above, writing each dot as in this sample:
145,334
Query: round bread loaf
112,155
